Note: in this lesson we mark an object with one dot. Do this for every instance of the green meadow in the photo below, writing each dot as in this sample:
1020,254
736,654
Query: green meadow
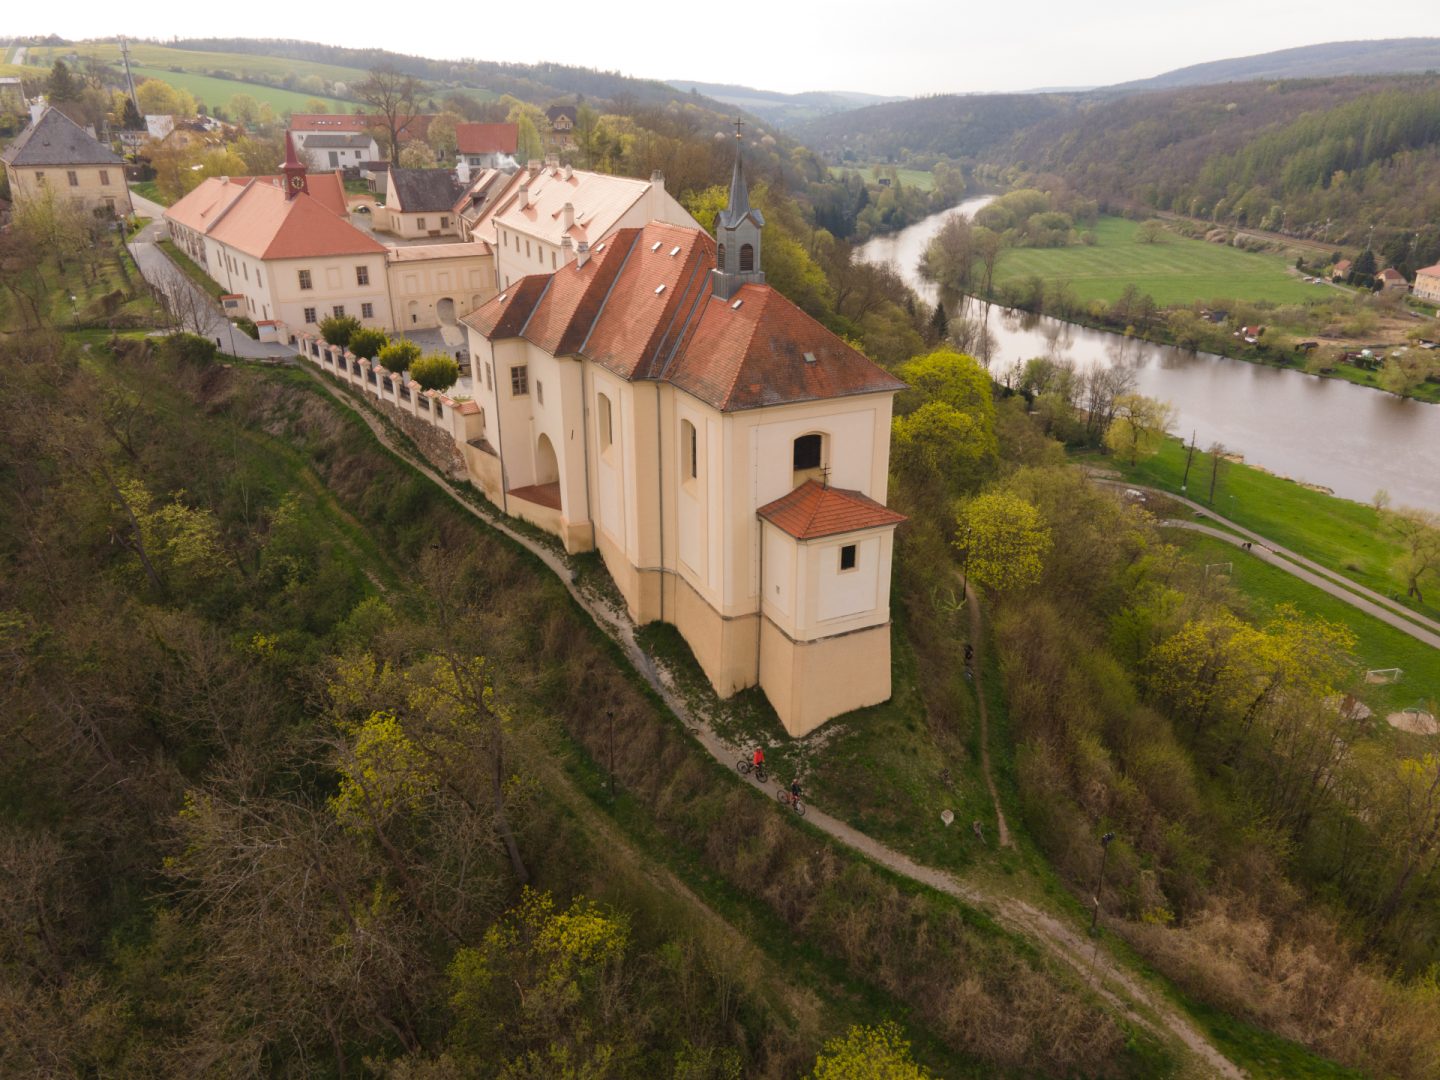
216,93
1174,270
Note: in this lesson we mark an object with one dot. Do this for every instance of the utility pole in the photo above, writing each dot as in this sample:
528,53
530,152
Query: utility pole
1100,884
1189,456
129,79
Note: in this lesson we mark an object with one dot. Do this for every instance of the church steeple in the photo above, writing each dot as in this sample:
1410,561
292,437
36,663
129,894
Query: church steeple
294,170
737,233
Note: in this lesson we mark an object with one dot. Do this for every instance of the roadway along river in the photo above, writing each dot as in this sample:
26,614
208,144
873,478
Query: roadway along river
1351,439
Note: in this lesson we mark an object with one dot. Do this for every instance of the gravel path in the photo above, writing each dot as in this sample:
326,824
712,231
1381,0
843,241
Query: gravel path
1118,986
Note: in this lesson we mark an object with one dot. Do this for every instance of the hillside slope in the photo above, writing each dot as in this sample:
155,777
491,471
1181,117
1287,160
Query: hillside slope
1395,56
783,110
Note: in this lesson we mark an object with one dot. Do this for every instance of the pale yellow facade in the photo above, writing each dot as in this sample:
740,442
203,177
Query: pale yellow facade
434,285
410,226
95,187
690,550
1427,284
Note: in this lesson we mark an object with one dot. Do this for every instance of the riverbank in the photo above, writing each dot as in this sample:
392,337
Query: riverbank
1232,348
1342,535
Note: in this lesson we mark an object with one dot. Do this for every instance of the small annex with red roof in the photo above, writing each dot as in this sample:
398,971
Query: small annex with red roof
726,454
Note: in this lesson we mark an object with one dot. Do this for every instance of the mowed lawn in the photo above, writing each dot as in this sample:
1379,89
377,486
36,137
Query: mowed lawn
216,93
917,178
244,65
1174,271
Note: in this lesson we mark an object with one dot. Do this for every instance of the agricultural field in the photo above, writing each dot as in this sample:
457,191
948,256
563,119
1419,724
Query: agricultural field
918,178
218,92
1175,270
242,65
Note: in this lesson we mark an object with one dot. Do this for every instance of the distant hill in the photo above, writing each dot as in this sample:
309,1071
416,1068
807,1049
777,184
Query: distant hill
1396,56
783,110
958,126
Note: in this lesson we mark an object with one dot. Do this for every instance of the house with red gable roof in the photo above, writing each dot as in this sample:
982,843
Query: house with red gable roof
285,251
653,399
484,146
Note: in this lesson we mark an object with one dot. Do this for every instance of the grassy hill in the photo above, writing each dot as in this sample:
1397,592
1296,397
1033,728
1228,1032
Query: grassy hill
1175,270
212,91
1394,56
783,110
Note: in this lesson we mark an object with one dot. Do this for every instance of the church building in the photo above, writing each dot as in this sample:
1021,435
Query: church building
654,399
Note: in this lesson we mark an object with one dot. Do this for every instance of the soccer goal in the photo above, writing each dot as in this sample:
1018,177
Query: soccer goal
1218,568
1383,675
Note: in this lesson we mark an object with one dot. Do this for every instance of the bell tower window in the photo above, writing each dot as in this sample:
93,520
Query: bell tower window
747,258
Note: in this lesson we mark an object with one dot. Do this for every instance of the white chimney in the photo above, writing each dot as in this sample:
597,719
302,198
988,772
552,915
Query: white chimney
567,215
524,196
657,179
552,161
582,253
566,173
533,165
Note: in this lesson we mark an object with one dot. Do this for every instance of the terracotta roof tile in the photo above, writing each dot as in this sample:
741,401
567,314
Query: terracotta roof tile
252,214
504,316
487,138
813,510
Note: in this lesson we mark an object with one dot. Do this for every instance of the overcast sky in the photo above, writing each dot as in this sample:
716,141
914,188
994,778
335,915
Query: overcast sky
901,47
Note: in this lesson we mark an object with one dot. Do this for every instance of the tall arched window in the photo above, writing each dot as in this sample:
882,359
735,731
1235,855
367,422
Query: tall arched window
808,458
747,258
689,450
604,421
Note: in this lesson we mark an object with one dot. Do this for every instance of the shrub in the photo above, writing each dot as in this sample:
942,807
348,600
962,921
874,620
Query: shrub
435,372
248,326
339,329
399,355
367,343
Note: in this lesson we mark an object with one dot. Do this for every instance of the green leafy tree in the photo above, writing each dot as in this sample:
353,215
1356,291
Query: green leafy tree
941,451
1003,540
62,86
952,377
399,355
339,329
441,135
367,342
435,372
869,1053
1139,426
244,108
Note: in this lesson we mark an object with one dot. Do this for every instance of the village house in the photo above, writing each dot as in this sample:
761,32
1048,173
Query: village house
284,250
54,153
329,151
485,187
548,215
561,117
1427,284
484,146
419,203
1341,270
650,397
1391,280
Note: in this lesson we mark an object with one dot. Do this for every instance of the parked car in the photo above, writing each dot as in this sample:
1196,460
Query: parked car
362,209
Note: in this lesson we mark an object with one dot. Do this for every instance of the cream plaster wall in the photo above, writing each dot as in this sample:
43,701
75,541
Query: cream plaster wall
95,186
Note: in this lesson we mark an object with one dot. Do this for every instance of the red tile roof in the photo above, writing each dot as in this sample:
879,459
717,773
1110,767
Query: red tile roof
641,307
417,128
813,510
1435,270
487,138
252,214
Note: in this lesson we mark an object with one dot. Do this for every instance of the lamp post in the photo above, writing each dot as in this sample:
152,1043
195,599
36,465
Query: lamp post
1100,884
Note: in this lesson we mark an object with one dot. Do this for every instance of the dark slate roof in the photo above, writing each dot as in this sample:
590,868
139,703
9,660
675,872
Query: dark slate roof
55,139
554,112
739,208
423,190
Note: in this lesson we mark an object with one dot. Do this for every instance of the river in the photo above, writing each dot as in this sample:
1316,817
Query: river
1351,439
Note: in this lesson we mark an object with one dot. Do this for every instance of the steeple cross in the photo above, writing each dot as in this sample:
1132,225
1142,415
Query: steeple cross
738,125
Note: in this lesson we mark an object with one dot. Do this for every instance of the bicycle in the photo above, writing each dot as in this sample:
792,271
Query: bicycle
745,767
791,801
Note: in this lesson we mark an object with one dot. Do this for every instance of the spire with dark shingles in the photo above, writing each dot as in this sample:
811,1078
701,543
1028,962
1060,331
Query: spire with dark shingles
739,206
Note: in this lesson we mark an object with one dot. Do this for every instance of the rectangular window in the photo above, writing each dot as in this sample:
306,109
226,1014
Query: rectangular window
104,177
74,178
246,268
539,391
339,311
305,279
527,249
309,314
444,222
847,557
489,379
552,260
367,311
362,275
40,176
519,380
419,222
259,278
